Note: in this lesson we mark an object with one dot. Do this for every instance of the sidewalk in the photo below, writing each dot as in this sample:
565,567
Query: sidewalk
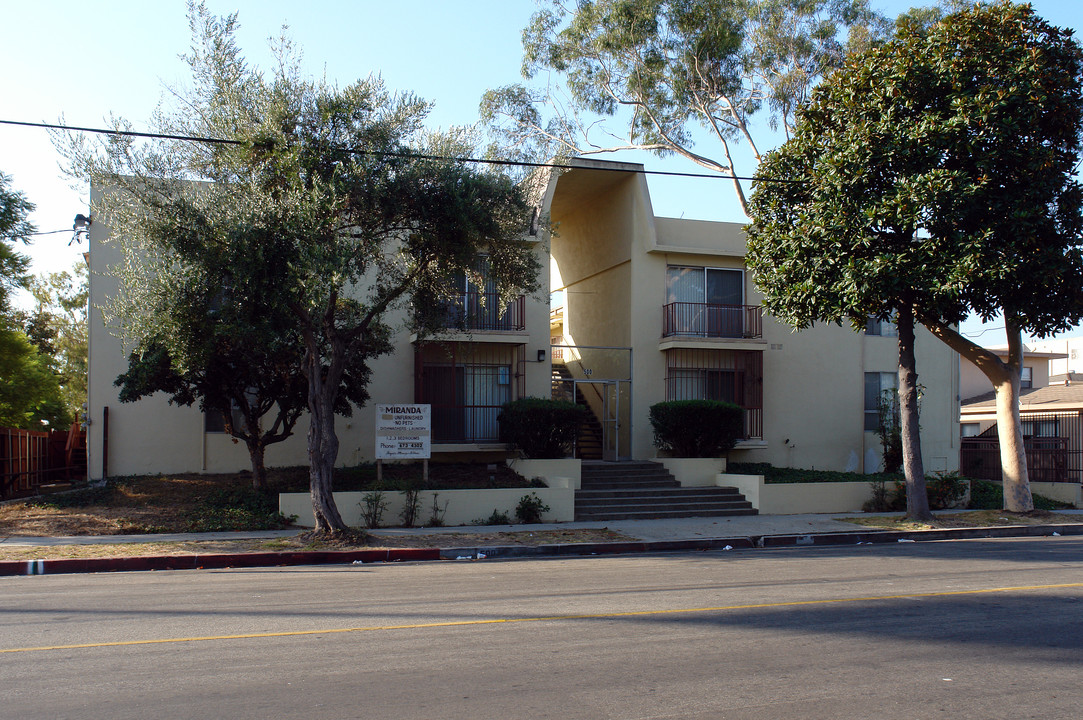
646,530
650,536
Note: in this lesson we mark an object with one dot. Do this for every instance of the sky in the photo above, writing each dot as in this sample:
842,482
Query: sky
86,60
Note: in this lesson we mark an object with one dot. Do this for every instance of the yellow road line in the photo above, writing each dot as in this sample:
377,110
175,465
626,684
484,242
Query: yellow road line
550,618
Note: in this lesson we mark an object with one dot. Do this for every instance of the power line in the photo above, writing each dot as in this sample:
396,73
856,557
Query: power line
385,153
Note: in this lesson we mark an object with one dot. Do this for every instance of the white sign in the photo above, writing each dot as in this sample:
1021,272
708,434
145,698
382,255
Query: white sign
403,431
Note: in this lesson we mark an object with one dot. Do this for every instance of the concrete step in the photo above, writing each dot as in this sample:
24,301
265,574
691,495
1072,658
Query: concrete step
655,514
723,494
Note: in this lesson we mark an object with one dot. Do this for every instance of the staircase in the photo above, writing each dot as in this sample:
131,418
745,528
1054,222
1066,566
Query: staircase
646,490
588,442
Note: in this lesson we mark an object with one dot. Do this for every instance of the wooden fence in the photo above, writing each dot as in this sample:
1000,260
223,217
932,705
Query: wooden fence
30,459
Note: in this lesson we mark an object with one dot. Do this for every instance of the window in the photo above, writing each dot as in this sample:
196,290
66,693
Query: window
1041,428
971,429
213,422
883,328
878,386
707,302
467,385
734,376
1026,378
475,303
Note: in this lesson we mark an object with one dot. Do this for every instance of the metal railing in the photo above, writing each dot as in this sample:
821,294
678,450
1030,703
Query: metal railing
715,321
1047,459
483,311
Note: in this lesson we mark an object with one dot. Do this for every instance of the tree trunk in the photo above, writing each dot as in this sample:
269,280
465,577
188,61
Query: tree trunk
259,470
917,500
1005,380
1013,454
322,449
256,447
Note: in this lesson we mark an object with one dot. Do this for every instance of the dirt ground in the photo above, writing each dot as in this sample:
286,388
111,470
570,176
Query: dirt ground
159,505
976,518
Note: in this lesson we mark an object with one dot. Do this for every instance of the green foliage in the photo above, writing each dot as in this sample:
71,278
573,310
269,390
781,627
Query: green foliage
411,507
696,428
436,513
30,393
985,495
919,163
662,67
333,207
541,428
233,509
14,227
496,518
889,431
530,509
373,505
58,328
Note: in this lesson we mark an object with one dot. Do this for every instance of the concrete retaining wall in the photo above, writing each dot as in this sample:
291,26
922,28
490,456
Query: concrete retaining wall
458,507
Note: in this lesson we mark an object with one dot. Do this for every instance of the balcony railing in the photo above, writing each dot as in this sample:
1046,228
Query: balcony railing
482,311
713,321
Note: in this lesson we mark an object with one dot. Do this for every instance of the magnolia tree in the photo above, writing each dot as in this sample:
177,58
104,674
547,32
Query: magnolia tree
672,72
933,177
325,207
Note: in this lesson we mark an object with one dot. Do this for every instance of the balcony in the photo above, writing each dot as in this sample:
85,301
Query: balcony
482,312
688,319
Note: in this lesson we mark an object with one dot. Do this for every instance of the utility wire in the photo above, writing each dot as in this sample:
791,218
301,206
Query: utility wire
385,153
50,232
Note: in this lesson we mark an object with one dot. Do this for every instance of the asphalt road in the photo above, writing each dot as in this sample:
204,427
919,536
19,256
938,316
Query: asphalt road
966,629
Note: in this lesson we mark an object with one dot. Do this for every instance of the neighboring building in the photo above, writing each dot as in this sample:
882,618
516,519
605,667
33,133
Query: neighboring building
644,309
1051,410
1069,351
662,309
1035,372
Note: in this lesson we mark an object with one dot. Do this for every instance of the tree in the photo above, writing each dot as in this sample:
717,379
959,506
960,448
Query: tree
668,66
29,392
331,205
58,328
934,176
14,227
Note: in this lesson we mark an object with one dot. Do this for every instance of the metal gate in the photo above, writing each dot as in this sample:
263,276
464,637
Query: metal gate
1053,443
599,378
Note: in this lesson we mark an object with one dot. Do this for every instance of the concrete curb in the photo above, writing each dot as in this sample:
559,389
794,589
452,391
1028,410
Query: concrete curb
344,557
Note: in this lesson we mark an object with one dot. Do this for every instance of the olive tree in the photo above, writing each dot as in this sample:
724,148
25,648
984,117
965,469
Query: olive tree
330,206
933,177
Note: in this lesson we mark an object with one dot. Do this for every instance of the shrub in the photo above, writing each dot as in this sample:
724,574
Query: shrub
530,509
985,495
373,507
541,428
697,428
497,518
237,508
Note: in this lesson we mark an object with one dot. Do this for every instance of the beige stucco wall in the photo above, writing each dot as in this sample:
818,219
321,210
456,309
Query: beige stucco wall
458,507
798,498
150,436
813,391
